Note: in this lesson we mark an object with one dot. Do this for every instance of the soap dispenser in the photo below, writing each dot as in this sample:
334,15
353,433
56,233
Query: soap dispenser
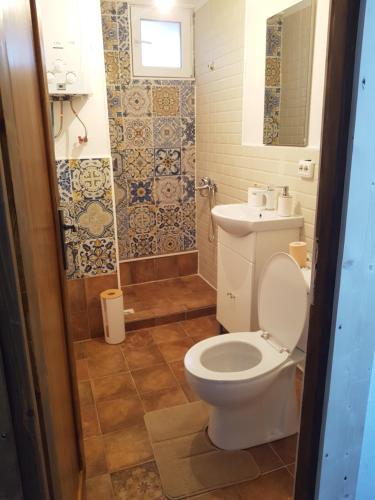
285,205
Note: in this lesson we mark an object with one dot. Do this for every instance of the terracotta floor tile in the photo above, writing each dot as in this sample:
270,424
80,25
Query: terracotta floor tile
99,488
199,300
98,346
277,485
292,469
78,325
266,458
286,448
178,370
163,399
173,351
137,339
131,326
94,456
170,318
82,370
95,285
85,393
169,296
144,357
187,264
142,310
201,328
230,493
76,295
119,413
89,418
138,483
154,378
105,364
127,447
79,350
189,393
167,333
113,386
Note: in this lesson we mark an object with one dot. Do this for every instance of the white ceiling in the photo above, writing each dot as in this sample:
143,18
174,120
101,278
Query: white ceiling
193,4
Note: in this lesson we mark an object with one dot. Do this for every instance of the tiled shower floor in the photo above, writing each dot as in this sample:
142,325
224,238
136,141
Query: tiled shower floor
118,384
170,300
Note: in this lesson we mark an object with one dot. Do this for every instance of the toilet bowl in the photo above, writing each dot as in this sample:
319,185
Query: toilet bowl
248,378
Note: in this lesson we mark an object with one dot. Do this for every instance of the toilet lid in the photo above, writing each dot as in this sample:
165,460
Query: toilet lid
282,300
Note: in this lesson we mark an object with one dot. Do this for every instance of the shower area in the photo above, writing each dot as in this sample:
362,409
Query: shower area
130,214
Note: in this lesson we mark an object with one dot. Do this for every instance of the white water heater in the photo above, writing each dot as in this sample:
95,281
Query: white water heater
65,46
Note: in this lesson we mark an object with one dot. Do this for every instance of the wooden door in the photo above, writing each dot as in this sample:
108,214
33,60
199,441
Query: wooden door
27,138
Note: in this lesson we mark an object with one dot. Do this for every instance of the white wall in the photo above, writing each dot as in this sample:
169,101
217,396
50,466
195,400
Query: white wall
81,15
254,73
220,38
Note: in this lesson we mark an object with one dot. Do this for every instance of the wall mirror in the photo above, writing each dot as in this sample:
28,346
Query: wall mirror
289,54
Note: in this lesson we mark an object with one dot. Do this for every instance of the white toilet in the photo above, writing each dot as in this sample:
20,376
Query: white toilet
248,378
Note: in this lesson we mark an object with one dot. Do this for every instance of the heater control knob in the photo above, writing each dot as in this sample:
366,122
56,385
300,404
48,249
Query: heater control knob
50,77
71,77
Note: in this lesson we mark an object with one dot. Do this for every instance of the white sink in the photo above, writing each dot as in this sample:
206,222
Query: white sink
240,219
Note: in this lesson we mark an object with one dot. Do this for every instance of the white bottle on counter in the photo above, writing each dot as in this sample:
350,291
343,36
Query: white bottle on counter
255,196
285,204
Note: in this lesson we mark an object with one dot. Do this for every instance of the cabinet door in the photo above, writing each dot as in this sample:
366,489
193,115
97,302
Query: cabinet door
234,292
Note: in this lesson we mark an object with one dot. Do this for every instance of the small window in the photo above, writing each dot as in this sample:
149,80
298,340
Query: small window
161,43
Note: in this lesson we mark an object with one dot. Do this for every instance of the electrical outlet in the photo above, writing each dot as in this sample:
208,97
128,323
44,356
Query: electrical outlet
306,169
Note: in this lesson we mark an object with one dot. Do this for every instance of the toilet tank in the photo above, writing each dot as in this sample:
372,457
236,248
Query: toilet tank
302,344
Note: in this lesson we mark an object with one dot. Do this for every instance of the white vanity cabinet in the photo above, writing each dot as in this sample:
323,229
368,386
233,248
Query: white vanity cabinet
240,261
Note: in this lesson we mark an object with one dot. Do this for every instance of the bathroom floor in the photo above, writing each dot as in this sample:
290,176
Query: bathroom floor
175,299
118,384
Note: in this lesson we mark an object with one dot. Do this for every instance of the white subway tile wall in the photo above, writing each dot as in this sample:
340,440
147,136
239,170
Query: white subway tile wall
219,39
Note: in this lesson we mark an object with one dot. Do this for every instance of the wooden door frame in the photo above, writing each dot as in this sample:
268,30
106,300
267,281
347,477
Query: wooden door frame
342,49
14,348
36,262
341,56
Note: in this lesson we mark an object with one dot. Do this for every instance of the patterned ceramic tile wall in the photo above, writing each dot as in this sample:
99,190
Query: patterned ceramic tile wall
86,199
152,129
273,81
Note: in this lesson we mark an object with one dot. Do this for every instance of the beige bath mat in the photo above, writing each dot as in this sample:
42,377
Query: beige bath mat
187,461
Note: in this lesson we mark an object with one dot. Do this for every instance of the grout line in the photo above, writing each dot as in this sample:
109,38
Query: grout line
273,470
125,261
290,473
206,281
277,454
174,278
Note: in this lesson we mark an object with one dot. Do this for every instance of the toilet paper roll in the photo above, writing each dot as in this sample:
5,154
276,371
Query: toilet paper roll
113,316
298,250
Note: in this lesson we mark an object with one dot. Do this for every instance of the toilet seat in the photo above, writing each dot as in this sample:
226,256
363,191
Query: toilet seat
270,358
282,301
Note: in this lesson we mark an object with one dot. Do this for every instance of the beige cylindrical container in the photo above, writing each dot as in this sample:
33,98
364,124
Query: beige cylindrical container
285,206
113,316
298,250
255,197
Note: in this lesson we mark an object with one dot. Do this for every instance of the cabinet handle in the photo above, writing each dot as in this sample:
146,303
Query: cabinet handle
229,294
